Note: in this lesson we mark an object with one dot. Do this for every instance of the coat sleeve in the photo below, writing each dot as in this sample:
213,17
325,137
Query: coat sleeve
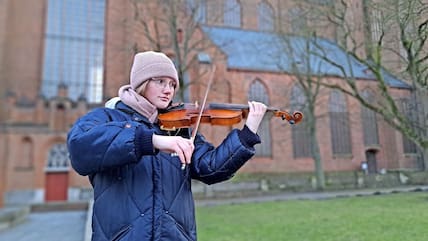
97,143
212,165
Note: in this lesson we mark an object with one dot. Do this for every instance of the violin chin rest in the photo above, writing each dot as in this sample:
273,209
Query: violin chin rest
168,129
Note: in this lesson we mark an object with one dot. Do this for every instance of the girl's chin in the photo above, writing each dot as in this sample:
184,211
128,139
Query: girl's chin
162,105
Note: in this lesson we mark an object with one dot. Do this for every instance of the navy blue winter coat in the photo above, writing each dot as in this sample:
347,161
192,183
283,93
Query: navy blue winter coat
139,192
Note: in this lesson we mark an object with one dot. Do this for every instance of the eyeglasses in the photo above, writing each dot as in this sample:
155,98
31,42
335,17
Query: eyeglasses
162,83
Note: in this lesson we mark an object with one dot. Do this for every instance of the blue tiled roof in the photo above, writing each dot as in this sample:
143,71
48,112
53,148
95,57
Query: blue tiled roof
263,51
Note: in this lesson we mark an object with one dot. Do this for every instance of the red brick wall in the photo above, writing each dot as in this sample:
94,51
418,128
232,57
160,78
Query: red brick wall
21,51
118,47
22,57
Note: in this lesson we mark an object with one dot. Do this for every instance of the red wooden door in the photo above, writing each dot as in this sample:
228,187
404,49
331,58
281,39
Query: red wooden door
56,186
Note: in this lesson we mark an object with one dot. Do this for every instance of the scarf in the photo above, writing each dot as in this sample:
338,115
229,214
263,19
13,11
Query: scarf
137,102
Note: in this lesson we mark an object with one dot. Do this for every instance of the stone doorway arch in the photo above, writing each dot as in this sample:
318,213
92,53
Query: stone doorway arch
371,161
57,168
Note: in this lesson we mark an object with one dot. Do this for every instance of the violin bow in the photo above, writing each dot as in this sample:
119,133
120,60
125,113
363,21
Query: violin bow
198,121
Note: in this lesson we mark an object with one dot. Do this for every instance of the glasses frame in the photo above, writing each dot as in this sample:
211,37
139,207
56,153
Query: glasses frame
162,83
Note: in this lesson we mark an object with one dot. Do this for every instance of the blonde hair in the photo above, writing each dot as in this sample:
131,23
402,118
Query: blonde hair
140,89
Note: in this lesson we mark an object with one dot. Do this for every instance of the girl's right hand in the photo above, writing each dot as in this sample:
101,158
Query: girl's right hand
175,144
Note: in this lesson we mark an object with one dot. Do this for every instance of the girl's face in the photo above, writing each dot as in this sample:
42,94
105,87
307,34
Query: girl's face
159,91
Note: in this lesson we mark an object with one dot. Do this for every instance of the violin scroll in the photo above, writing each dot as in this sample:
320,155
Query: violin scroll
294,118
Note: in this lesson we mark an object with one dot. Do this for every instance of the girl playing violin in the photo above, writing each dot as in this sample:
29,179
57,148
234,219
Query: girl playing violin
140,190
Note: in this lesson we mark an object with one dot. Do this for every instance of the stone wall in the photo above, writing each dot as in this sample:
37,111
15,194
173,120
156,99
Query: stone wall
305,182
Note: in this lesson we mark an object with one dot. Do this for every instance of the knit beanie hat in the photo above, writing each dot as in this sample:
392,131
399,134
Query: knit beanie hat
152,64
146,65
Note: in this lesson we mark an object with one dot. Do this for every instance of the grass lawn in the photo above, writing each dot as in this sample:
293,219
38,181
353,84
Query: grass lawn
392,217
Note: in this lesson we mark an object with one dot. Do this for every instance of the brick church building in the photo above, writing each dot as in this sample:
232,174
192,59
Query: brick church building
60,58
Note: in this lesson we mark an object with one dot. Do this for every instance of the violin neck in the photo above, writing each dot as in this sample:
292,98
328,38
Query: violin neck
227,106
234,106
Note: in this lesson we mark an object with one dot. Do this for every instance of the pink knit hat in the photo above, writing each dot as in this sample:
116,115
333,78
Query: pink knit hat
152,64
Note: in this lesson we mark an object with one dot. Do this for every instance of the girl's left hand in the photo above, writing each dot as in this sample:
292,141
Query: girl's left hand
255,115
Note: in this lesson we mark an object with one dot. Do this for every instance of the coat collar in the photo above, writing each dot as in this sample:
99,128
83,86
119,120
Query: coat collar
134,114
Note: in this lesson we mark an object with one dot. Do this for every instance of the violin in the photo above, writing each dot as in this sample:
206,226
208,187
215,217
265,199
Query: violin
215,114
224,114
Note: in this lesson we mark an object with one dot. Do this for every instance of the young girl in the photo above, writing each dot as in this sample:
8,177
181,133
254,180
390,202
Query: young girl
140,190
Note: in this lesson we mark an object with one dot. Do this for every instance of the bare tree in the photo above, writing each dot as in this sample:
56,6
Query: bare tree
307,94
396,32
173,26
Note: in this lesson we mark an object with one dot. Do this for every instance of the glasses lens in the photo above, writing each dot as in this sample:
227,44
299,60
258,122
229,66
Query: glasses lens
161,83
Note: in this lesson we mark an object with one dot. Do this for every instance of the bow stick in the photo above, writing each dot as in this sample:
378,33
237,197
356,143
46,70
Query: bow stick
198,122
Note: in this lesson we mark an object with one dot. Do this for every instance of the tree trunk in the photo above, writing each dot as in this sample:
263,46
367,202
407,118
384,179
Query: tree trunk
315,151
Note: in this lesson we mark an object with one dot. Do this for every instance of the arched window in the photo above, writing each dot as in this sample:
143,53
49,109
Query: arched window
369,121
73,48
408,107
300,133
60,117
297,20
25,160
58,158
339,124
257,92
232,13
265,16
376,24
197,9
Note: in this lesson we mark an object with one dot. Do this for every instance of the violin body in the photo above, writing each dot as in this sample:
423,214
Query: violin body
186,118
216,114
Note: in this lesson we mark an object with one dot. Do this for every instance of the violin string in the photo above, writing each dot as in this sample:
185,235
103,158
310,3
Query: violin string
176,132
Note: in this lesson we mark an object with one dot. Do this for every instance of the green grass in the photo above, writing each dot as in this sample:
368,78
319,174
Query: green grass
393,217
